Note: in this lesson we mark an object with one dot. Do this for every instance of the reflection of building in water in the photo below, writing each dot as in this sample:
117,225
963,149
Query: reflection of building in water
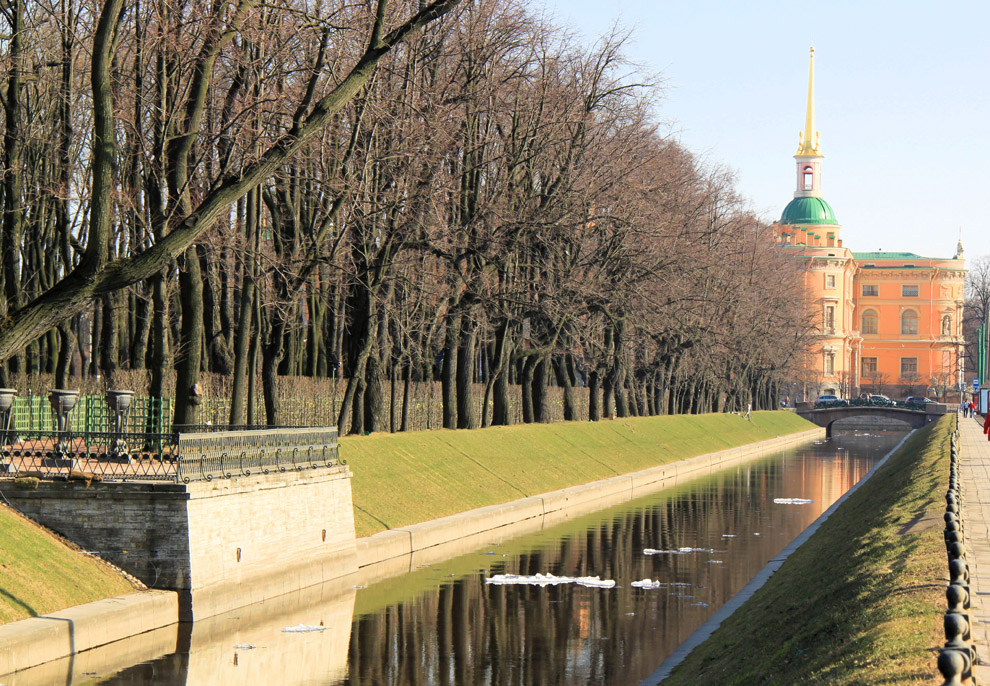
280,657
215,651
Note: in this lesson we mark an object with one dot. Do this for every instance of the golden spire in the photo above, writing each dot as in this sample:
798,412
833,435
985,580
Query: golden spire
808,142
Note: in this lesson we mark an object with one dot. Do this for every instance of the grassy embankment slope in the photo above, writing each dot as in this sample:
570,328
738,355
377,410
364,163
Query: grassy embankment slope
401,479
39,573
861,602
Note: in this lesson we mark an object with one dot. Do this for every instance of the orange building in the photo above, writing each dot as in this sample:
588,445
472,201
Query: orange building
886,322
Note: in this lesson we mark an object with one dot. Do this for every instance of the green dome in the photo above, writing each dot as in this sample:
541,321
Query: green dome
808,211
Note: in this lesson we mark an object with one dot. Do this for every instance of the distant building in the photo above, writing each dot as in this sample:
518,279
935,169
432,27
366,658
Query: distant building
885,322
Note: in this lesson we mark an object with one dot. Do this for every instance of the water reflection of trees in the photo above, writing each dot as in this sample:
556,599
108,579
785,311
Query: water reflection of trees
472,633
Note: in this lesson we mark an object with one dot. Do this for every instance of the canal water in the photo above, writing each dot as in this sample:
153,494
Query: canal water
674,558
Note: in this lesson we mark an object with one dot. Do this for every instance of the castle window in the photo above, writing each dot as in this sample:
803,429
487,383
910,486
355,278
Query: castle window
830,281
909,323
909,291
809,178
829,364
829,319
909,367
872,290
869,323
869,366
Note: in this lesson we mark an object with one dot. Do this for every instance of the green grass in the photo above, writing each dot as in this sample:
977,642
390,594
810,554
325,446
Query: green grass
401,479
861,602
39,573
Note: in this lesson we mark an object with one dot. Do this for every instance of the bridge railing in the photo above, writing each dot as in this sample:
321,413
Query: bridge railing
872,402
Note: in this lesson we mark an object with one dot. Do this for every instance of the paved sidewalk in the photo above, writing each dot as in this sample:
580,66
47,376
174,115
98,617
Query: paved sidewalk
974,481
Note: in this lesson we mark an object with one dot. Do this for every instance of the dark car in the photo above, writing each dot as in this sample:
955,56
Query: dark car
918,400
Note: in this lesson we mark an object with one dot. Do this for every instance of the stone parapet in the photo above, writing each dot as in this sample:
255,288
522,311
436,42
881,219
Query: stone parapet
222,544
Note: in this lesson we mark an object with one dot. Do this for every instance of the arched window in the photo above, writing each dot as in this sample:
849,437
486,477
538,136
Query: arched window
809,178
869,322
909,323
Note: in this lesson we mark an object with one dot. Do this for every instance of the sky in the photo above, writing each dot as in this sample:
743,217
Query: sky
902,100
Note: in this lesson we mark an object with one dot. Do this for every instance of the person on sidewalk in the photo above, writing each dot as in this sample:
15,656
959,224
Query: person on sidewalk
986,425
964,408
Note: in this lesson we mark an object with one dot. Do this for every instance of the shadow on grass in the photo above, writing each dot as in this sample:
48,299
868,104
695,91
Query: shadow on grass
18,602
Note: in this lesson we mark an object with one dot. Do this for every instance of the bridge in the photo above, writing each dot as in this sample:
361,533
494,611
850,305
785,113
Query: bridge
829,415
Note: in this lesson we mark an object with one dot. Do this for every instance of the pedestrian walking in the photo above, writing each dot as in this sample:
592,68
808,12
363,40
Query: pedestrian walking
964,408
749,407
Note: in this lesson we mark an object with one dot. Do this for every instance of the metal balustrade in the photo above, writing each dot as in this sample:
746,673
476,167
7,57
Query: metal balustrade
177,457
957,656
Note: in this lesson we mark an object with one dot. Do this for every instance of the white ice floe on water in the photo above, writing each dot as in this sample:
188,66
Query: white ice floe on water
728,535
245,646
646,583
302,629
548,580
792,501
699,604
679,551
714,562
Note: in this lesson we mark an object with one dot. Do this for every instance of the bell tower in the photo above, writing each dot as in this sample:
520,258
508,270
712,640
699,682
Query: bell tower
809,155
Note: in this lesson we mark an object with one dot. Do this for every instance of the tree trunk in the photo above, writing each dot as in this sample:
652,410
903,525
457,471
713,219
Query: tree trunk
539,388
188,392
447,372
594,397
564,381
529,366
242,336
466,416
109,346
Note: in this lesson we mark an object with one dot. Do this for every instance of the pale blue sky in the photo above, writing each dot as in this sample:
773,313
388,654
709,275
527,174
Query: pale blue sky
902,103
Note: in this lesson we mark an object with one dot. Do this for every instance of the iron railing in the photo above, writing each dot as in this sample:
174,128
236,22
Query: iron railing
177,457
105,455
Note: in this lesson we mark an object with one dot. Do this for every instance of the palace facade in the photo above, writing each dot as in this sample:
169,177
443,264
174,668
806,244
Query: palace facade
885,322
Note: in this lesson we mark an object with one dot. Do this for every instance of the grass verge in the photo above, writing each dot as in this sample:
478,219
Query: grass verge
861,601
401,479
41,573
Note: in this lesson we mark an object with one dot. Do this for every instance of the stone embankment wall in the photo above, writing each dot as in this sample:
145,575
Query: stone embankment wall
222,544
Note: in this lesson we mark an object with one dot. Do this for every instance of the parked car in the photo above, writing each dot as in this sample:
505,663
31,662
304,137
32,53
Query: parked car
918,400
880,399
829,398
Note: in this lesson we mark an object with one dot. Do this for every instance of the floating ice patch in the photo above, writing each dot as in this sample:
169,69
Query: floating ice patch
646,583
594,582
679,551
245,646
548,580
714,562
302,629
699,604
792,501
728,535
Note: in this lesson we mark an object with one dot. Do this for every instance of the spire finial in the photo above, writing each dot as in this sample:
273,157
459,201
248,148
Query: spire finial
808,143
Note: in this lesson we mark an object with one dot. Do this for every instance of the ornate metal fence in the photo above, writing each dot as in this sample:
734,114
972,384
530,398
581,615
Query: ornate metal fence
178,457
210,455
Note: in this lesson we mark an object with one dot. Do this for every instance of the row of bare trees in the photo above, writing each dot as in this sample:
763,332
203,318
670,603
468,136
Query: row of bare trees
384,192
